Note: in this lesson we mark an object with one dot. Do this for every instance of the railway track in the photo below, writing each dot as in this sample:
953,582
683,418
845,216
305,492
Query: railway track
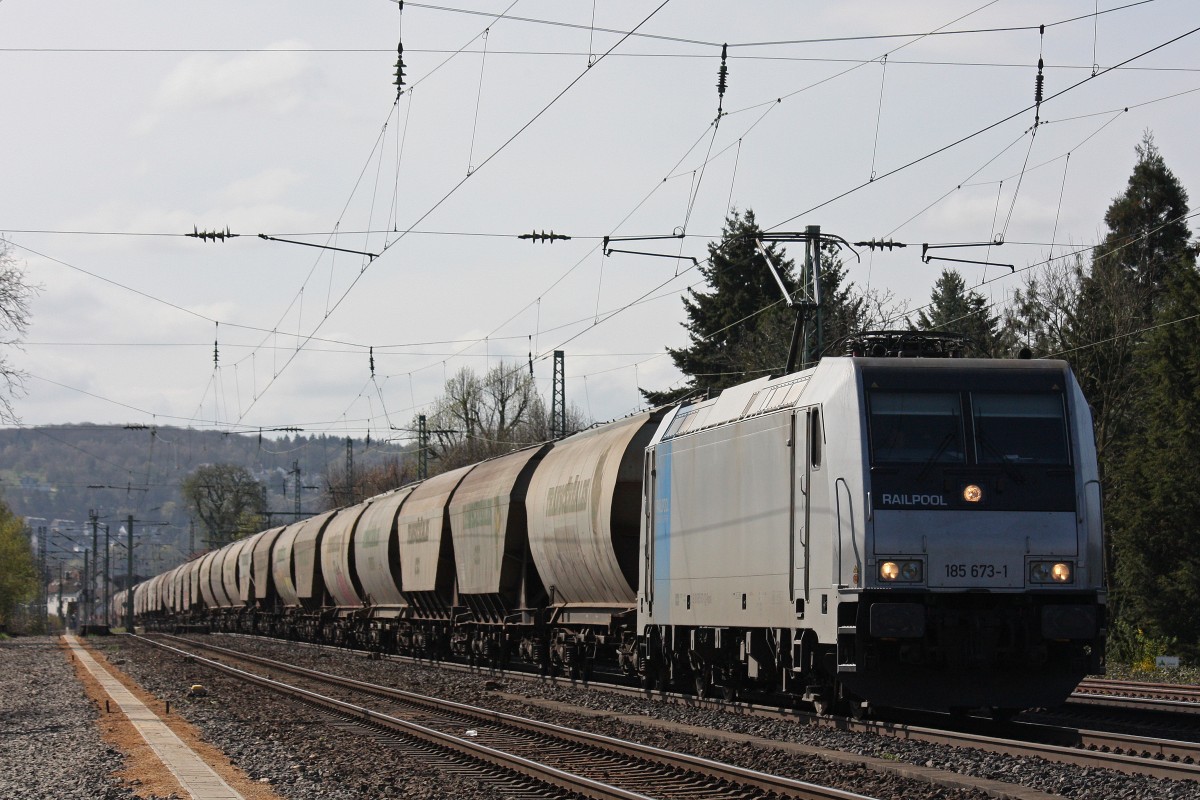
1124,752
1169,697
575,763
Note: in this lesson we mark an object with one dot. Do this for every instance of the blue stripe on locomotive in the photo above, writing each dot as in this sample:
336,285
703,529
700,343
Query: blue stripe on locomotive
662,529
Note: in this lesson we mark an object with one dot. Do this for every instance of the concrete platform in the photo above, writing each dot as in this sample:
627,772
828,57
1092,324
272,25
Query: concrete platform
199,779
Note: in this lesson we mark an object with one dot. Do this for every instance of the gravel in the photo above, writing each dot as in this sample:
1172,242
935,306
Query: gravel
50,743
51,747
303,756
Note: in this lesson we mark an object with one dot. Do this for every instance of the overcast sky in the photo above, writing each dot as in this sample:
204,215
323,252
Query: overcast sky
128,124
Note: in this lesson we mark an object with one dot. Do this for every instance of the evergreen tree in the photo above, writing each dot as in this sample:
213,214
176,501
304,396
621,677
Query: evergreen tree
1135,342
1147,230
729,340
1154,508
740,328
1146,246
954,309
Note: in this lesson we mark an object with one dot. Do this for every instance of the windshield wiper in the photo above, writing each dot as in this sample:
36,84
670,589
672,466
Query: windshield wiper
941,448
1001,459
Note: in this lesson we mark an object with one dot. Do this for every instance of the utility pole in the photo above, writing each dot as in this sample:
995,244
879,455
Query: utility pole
43,579
295,473
422,448
558,397
107,577
94,518
129,572
85,590
61,618
349,471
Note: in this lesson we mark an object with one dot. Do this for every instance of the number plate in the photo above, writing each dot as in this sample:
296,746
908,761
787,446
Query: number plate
975,573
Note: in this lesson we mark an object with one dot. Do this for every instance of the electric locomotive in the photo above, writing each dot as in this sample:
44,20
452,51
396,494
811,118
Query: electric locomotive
915,532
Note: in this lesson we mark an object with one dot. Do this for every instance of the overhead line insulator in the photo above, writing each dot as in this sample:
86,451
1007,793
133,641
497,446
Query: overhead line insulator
722,80
544,237
212,236
399,81
881,244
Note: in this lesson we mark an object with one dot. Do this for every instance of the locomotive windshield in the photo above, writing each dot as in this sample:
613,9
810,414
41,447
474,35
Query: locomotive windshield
1006,428
917,427
1020,428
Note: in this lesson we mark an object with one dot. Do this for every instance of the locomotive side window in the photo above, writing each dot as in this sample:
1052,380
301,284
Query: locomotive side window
916,427
1020,429
816,436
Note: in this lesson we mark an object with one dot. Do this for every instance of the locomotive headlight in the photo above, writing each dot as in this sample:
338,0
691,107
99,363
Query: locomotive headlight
972,493
1050,572
902,571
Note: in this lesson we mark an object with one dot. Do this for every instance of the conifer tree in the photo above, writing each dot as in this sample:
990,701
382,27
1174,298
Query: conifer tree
739,328
1154,507
1146,246
954,309
730,338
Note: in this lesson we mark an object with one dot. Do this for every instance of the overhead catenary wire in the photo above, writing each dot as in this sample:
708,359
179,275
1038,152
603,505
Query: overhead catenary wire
981,131
229,354
454,189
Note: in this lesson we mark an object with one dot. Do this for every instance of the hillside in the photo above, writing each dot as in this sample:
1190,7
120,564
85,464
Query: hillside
59,473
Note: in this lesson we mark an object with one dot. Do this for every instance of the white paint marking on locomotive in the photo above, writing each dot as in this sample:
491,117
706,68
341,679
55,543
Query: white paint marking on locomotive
913,500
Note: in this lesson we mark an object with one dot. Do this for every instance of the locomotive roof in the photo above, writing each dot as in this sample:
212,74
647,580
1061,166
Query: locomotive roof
770,394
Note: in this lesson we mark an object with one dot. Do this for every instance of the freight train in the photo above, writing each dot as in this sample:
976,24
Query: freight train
912,532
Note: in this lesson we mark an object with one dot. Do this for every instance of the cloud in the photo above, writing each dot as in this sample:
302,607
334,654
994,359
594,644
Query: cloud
270,79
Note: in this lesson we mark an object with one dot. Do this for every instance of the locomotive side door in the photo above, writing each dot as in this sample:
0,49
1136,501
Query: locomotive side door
801,474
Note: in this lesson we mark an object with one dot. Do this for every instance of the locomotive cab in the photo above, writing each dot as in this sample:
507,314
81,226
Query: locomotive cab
983,577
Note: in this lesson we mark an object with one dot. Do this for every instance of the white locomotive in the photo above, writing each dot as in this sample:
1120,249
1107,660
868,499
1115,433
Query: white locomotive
901,531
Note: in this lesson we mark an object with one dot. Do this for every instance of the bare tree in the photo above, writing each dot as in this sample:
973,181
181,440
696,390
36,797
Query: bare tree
366,481
15,296
227,499
480,417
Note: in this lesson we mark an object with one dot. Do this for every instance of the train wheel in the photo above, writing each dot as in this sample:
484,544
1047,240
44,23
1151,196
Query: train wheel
1003,714
701,684
729,693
